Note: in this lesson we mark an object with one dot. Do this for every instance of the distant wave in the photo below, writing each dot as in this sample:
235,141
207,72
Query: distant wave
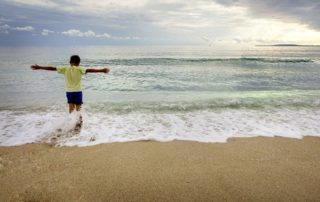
183,107
187,107
163,61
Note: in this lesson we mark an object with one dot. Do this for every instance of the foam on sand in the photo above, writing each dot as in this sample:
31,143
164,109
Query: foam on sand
21,127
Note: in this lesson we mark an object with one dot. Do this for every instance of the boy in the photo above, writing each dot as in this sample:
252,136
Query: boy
72,77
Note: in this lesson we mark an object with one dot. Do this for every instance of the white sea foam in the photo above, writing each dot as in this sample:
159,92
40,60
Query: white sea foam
204,126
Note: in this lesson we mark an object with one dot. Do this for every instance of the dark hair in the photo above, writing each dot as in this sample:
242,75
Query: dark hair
75,59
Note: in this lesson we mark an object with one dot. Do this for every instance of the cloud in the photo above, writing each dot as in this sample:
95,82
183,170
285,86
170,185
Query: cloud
74,5
23,29
46,32
90,33
182,14
41,3
78,33
299,11
4,29
105,35
170,21
3,19
126,37
167,13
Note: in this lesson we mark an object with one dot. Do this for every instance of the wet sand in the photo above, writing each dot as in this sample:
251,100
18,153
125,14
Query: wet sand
247,169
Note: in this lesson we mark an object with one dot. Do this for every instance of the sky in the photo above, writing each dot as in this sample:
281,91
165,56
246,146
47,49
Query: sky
166,22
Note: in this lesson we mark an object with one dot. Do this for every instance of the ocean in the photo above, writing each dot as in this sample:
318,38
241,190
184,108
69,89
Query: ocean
162,93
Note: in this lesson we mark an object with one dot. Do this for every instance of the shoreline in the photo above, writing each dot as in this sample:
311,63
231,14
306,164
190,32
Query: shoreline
243,169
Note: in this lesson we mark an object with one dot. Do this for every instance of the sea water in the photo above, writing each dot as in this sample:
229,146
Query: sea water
161,93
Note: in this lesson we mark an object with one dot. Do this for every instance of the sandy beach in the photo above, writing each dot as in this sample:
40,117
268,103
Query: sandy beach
247,169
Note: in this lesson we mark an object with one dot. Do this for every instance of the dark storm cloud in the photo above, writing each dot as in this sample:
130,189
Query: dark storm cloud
301,11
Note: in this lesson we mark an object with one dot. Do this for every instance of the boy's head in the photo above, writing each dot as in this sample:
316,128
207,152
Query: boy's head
75,60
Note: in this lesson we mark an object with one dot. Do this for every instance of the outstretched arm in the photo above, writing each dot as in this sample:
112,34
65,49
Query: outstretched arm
104,70
37,67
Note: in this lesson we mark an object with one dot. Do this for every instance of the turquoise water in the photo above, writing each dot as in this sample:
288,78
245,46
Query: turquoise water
163,93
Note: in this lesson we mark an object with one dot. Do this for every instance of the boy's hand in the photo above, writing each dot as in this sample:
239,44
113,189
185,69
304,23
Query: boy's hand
105,70
35,67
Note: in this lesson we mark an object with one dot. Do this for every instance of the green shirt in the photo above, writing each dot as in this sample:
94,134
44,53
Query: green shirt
72,76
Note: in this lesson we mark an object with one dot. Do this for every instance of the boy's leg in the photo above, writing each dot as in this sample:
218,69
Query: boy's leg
71,107
78,107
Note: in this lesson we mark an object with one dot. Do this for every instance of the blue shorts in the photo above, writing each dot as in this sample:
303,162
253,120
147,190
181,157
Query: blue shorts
74,97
